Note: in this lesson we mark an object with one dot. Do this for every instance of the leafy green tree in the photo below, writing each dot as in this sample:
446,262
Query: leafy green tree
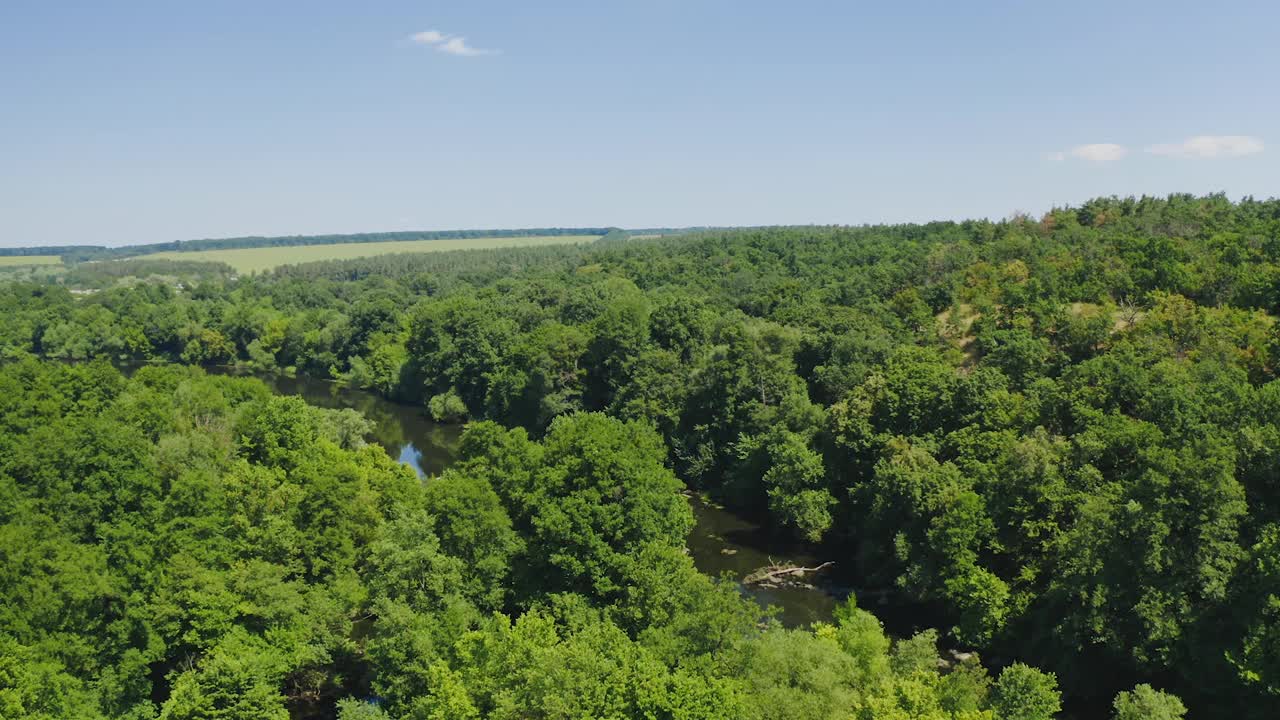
794,674
446,699
655,390
352,709
682,325
546,376
795,482
1024,693
916,654
965,690
532,668
1147,703
37,687
620,331
679,613
460,343
473,526
862,637
207,347
600,491
238,680
407,565
273,431
447,407
1257,657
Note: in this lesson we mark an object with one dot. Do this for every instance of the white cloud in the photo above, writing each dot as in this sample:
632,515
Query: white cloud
1099,152
1094,152
428,37
449,44
459,46
1210,146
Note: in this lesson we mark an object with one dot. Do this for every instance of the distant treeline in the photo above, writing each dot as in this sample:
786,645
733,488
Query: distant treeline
83,253
50,250
662,231
614,235
105,274
423,269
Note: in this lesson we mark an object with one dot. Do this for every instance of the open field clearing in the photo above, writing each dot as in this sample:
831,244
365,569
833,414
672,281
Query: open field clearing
247,260
16,260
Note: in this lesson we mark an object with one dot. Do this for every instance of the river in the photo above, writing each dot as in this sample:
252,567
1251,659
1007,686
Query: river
721,541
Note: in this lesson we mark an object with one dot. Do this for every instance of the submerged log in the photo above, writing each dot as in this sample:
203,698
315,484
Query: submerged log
775,573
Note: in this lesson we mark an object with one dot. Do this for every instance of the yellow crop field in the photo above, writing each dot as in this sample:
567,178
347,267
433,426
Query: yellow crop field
16,260
247,260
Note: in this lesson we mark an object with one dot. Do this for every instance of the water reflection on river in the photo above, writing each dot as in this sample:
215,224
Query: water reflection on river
721,542
403,430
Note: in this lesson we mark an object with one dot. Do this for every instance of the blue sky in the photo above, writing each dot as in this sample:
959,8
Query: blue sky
130,122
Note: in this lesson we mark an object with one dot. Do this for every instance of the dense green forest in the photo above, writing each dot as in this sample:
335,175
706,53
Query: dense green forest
1057,438
177,545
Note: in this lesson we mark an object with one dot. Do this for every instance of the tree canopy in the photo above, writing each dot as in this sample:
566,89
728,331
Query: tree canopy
1055,439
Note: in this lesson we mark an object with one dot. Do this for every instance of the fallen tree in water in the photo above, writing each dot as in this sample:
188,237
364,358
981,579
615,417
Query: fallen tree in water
777,574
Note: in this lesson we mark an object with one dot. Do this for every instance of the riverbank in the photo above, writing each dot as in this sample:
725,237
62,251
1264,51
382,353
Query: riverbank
721,542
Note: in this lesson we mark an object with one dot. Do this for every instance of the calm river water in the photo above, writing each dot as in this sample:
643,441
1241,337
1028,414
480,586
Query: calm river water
720,542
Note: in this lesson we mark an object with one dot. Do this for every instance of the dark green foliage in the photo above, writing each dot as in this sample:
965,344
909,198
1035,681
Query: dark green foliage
106,274
589,500
183,546
1056,436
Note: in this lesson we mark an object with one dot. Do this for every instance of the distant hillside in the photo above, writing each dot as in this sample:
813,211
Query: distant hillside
82,253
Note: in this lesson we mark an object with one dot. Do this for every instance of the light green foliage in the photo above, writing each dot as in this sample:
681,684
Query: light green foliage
531,668
345,428
861,635
795,485
168,540
406,564
1024,693
237,680
1146,703
384,367
473,526
352,709
794,674
1257,659
447,407
964,690
273,430
680,613
260,358
915,655
447,697
208,347
405,644
34,686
